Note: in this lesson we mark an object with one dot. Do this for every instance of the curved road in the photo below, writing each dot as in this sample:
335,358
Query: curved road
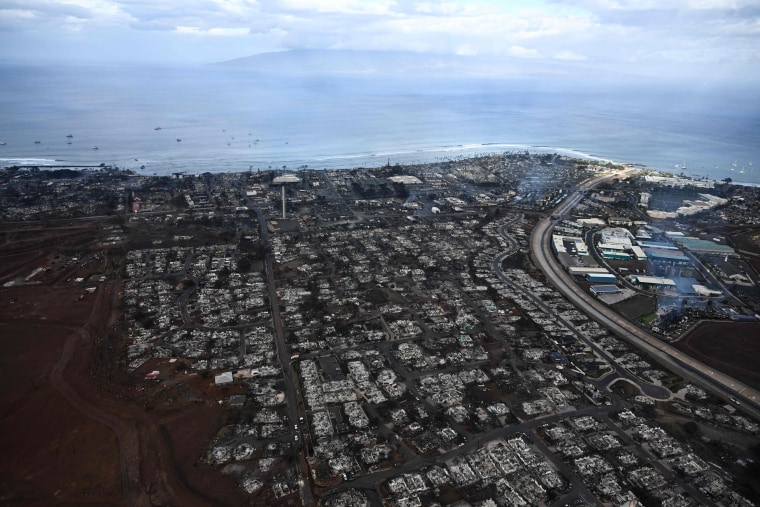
671,358
651,390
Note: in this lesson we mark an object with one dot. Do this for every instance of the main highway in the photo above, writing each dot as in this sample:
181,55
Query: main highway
617,372
663,353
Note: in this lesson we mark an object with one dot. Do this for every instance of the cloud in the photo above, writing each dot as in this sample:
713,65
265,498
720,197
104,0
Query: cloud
672,32
39,15
216,31
599,32
374,7
569,55
522,52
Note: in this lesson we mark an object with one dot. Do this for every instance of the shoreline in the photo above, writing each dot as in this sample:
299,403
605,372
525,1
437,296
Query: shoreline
423,157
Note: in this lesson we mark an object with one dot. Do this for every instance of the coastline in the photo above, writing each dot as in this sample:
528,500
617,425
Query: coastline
425,155
422,156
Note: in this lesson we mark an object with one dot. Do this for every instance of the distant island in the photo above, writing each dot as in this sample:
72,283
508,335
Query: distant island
407,64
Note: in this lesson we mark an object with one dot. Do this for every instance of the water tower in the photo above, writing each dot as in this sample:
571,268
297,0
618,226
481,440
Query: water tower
285,179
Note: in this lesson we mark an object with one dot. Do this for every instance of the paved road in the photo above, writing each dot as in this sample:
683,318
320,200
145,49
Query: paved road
540,248
671,358
577,487
526,427
291,396
651,390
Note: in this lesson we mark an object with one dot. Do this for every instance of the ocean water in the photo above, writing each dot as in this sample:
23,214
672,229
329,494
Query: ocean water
213,118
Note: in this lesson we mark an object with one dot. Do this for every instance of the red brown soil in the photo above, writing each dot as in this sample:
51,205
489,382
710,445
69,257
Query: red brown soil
51,451
730,347
67,437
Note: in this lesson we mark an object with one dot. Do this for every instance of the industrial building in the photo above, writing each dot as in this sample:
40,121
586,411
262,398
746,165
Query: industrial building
702,245
601,278
598,290
582,270
668,257
652,282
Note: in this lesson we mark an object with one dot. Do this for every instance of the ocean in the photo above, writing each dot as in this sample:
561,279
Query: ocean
212,118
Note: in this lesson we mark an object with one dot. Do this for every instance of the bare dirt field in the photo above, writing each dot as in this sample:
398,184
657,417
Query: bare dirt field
77,429
51,452
731,347
70,434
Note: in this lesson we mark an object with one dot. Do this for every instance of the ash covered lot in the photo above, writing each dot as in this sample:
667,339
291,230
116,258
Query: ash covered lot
386,341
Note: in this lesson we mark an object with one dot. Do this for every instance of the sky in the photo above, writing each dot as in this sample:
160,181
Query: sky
655,37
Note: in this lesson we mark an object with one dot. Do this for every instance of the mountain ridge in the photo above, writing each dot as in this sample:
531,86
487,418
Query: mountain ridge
359,62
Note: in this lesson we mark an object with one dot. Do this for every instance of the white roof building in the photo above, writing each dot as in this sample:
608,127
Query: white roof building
652,280
406,180
617,235
590,222
286,178
638,252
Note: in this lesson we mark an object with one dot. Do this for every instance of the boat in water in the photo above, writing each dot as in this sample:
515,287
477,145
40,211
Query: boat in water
157,128
70,135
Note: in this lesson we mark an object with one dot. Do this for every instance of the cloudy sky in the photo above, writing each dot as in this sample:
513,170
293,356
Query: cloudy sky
658,36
